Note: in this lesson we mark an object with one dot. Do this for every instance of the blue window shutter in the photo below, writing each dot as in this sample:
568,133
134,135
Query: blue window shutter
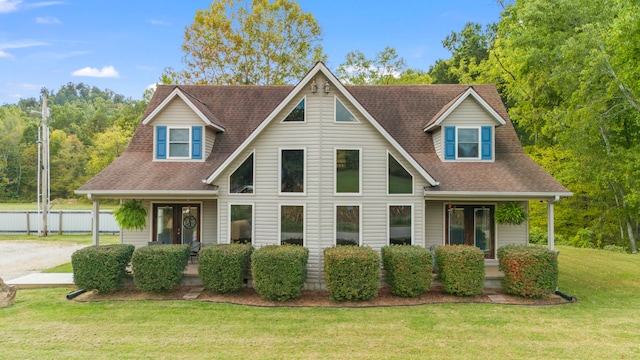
196,142
161,142
486,143
449,142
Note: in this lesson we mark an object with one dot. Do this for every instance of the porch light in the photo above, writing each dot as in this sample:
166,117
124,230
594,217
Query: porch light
314,86
326,87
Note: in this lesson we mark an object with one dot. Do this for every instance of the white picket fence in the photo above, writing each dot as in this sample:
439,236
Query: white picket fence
13,222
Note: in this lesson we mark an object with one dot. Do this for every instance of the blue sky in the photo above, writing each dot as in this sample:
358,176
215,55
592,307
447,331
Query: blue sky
124,45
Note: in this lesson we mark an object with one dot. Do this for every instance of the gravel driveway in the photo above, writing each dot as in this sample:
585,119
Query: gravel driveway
19,258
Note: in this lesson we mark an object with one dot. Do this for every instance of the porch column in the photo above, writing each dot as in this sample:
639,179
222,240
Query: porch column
551,223
95,223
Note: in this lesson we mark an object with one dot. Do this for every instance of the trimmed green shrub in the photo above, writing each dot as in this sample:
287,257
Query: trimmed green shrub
279,271
101,268
407,269
223,267
529,271
351,272
461,269
159,267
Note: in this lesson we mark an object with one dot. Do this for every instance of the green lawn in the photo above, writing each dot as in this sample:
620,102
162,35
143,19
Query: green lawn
604,324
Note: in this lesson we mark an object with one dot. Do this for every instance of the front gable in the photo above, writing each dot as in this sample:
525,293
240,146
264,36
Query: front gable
464,130
181,131
345,109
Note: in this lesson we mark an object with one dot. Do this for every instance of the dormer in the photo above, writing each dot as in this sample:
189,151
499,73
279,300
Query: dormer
184,129
464,129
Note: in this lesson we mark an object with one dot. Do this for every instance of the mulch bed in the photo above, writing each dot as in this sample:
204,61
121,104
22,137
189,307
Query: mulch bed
310,298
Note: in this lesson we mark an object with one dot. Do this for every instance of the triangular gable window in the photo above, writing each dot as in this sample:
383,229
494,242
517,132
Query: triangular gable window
297,114
343,114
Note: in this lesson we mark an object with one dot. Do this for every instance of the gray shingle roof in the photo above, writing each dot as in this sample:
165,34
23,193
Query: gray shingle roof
403,111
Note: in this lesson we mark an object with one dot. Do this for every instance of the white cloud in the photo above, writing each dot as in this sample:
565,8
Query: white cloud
105,72
17,45
152,86
156,22
48,20
7,6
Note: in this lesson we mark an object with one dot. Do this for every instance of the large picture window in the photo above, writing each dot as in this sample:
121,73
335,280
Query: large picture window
400,226
348,225
399,179
241,181
348,171
292,171
241,221
292,225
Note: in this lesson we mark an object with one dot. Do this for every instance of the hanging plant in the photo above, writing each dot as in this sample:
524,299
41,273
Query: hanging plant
511,213
131,215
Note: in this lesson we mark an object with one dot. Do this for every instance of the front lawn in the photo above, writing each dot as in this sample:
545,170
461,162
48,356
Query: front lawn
603,324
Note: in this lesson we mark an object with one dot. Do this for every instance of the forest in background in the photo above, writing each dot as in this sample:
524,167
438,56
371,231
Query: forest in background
567,71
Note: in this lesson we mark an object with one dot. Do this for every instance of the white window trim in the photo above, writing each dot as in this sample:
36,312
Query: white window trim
335,113
335,222
389,205
253,220
479,129
189,144
304,172
253,152
304,222
335,172
305,113
405,168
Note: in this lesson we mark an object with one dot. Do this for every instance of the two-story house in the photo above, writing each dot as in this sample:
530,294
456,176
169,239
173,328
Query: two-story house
321,164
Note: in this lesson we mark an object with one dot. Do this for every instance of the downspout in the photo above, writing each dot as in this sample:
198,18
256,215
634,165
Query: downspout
551,222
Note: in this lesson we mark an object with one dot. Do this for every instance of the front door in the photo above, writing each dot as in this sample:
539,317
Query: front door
471,225
176,223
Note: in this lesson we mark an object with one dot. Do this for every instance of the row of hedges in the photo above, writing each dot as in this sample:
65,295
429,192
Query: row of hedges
155,268
351,272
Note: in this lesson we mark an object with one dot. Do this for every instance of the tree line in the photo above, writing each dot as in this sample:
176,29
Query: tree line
567,72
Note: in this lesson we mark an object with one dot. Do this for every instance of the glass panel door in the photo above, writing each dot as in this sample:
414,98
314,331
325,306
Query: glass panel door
176,223
482,225
190,218
456,226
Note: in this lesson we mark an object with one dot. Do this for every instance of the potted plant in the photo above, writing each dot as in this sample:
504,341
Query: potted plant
511,213
131,215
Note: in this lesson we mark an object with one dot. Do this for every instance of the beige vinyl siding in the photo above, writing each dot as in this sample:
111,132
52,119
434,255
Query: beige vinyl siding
469,113
437,135
434,223
209,228
177,113
209,140
320,136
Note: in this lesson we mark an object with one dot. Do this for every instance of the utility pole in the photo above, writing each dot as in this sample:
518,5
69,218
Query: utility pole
45,162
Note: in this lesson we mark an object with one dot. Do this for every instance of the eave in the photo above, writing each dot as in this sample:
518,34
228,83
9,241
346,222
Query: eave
493,195
149,194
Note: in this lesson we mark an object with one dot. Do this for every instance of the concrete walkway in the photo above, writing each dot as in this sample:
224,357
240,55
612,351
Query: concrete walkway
43,280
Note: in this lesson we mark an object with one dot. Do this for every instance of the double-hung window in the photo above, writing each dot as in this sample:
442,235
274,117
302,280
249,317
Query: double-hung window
468,143
179,143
